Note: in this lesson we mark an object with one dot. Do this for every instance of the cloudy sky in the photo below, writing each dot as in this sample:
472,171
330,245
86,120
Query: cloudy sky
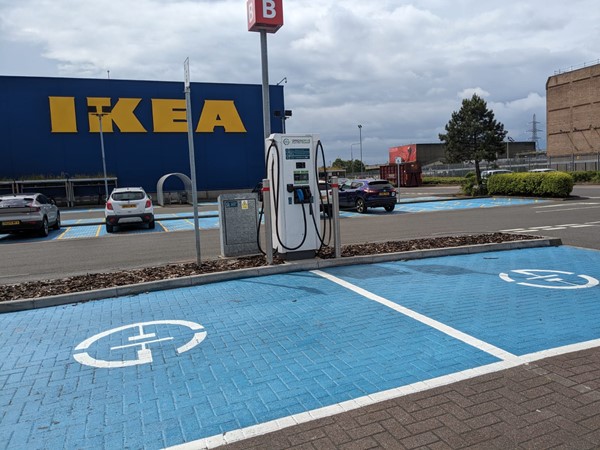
398,68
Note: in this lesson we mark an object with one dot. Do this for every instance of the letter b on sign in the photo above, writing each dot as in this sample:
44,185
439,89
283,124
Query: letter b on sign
265,15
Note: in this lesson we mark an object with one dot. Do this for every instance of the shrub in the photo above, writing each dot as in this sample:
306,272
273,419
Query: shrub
550,184
586,177
470,187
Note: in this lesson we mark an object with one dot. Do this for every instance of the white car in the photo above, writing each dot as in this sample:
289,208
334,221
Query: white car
128,205
488,173
28,212
541,170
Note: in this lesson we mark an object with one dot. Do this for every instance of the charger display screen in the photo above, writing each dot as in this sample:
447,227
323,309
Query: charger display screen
301,176
297,153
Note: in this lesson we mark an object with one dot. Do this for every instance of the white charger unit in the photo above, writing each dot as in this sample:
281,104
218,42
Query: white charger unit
294,200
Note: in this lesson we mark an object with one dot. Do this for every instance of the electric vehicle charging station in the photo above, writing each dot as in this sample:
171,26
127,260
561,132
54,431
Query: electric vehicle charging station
291,161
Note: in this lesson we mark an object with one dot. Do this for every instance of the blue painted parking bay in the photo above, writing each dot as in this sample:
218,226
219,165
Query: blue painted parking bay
165,368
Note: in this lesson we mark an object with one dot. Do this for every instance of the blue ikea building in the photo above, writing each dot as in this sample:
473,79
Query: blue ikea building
49,128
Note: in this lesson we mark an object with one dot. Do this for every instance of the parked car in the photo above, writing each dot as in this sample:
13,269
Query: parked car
488,173
326,201
363,194
541,170
128,205
28,212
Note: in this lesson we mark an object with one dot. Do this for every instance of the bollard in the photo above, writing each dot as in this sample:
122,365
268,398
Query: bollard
337,244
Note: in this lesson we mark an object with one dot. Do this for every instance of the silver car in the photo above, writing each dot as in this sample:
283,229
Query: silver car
28,212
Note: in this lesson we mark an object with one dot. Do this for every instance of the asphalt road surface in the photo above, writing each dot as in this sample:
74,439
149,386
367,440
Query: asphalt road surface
575,221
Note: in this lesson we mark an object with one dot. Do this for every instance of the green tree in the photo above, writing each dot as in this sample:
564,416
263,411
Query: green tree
472,134
350,166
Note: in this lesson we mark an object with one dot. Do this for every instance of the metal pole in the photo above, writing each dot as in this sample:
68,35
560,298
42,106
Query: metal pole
265,84
398,183
103,158
361,159
337,242
266,191
188,115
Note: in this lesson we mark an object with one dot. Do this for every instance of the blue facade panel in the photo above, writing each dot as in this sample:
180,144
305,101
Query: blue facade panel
224,159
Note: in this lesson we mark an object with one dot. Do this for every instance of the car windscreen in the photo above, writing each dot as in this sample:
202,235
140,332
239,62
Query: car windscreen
15,202
125,196
380,185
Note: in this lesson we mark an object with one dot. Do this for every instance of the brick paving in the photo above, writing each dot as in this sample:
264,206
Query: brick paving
552,403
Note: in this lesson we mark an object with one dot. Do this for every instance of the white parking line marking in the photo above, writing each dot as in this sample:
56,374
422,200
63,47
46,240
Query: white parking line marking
453,332
360,402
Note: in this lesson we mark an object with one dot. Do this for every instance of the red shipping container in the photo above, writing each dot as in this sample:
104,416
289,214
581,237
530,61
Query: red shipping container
410,174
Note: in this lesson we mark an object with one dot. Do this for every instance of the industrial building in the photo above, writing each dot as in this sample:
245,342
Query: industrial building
573,113
426,154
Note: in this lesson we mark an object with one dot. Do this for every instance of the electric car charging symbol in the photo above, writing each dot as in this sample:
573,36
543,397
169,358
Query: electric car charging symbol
144,355
549,279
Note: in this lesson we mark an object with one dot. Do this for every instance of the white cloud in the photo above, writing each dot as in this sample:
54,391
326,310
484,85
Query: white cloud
469,92
393,66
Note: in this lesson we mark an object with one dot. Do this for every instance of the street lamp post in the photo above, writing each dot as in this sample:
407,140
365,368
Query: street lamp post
352,157
360,136
99,112
286,112
508,139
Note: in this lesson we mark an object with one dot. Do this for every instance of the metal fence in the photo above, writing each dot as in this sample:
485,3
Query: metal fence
572,163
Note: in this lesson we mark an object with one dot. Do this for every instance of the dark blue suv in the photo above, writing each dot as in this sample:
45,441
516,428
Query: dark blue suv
363,194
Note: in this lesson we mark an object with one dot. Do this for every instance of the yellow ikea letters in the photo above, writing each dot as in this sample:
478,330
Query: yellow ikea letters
168,116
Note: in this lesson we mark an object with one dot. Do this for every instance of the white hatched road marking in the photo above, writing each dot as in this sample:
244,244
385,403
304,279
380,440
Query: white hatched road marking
560,208
552,227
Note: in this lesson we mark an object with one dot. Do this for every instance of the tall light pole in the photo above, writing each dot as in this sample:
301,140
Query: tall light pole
360,136
352,157
508,139
191,151
99,112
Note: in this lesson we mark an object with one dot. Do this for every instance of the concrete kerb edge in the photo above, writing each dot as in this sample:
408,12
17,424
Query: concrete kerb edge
306,265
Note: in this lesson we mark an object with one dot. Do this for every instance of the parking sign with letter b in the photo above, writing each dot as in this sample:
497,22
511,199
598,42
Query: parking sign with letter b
265,15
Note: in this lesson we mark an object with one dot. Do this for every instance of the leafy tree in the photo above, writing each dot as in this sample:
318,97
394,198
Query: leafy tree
472,134
339,163
351,166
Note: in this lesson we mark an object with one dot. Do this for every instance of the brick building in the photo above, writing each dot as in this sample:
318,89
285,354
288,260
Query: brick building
573,112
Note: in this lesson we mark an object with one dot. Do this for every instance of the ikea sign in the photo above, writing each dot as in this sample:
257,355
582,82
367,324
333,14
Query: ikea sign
168,116
50,129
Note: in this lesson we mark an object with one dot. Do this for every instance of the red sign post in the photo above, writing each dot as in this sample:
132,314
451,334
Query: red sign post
265,15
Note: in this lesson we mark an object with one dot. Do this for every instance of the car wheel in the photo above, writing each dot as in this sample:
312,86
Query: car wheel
389,208
44,230
109,228
57,223
361,206
151,225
